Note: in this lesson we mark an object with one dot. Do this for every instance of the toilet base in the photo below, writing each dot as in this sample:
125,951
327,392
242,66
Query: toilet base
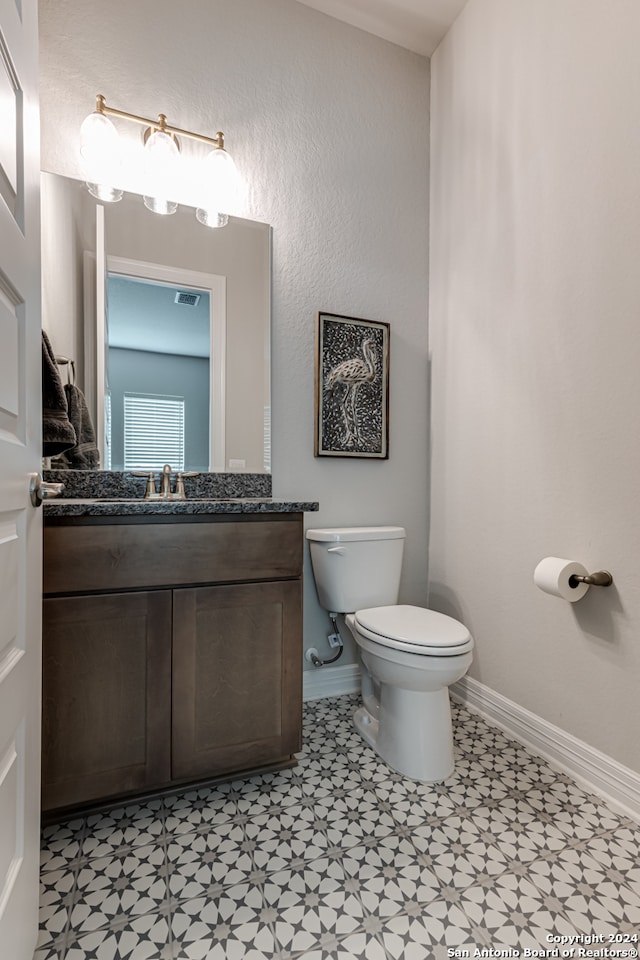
412,733
366,726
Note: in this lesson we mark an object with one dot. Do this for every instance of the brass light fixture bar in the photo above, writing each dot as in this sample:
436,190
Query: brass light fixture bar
212,182
159,124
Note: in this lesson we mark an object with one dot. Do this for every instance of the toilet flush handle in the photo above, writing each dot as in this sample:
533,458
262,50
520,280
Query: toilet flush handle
339,550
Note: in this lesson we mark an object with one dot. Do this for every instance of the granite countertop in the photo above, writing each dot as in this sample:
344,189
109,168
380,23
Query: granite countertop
80,507
113,493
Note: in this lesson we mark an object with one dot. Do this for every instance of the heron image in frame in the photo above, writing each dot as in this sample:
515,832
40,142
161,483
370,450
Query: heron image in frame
352,387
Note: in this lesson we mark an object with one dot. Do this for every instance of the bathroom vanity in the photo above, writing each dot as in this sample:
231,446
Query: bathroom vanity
172,644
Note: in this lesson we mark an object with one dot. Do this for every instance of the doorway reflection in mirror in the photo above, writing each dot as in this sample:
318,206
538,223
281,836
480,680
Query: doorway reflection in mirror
158,375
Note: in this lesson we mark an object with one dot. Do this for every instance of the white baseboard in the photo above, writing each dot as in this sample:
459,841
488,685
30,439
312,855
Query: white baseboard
619,786
330,681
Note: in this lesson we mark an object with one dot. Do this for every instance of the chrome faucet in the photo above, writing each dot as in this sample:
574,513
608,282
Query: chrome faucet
165,492
165,484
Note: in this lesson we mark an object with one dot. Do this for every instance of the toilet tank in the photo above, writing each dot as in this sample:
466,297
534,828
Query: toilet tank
356,567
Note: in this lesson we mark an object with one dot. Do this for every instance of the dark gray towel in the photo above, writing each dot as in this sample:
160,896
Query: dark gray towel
84,455
57,431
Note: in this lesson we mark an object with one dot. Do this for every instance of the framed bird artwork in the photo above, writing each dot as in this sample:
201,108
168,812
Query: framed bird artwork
351,387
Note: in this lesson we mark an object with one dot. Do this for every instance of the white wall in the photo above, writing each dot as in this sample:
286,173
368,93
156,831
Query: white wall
535,341
330,127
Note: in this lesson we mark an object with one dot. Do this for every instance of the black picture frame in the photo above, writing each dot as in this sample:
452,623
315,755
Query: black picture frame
351,387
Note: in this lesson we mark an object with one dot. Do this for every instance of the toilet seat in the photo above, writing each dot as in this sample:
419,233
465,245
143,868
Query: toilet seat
415,630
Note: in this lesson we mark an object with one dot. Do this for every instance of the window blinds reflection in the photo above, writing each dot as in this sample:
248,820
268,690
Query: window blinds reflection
153,432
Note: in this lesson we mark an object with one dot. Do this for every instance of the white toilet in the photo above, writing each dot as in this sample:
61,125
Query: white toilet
409,655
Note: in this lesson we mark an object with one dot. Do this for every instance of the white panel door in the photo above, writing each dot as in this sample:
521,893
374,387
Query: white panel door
20,453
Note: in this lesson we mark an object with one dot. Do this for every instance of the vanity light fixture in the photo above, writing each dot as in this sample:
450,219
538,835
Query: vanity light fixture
101,155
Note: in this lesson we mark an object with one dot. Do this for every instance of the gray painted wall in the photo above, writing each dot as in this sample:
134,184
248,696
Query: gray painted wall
138,371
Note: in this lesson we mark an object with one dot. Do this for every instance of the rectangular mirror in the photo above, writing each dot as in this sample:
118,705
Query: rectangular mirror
168,324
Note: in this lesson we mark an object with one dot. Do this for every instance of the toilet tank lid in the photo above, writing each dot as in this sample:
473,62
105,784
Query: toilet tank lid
343,534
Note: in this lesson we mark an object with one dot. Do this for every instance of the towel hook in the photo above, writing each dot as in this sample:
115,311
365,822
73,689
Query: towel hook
71,368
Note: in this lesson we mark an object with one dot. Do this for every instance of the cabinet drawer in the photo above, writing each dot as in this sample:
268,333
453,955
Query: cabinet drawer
105,556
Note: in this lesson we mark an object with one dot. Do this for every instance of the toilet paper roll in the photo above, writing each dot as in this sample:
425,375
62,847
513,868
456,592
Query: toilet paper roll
553,575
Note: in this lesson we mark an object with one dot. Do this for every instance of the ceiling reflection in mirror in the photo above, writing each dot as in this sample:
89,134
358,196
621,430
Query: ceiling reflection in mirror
161,314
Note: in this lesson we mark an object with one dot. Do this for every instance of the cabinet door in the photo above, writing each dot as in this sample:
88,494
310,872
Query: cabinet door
237,677
106,690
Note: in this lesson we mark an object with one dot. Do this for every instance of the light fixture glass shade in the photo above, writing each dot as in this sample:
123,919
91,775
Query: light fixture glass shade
220,189
161,173
211,218
101,157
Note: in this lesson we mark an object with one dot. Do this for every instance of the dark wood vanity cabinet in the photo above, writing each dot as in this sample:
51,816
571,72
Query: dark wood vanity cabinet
172,652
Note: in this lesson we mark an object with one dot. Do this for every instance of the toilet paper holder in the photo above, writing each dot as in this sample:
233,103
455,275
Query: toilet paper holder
601,578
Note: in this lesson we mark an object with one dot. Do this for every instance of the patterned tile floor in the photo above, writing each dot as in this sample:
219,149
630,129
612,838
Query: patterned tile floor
342,859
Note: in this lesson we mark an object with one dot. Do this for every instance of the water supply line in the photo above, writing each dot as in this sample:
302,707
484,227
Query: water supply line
335,640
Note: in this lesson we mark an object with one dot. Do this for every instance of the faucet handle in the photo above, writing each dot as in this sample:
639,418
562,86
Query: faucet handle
180,492
151,489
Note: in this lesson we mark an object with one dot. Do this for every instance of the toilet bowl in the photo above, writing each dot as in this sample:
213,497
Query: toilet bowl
409,655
